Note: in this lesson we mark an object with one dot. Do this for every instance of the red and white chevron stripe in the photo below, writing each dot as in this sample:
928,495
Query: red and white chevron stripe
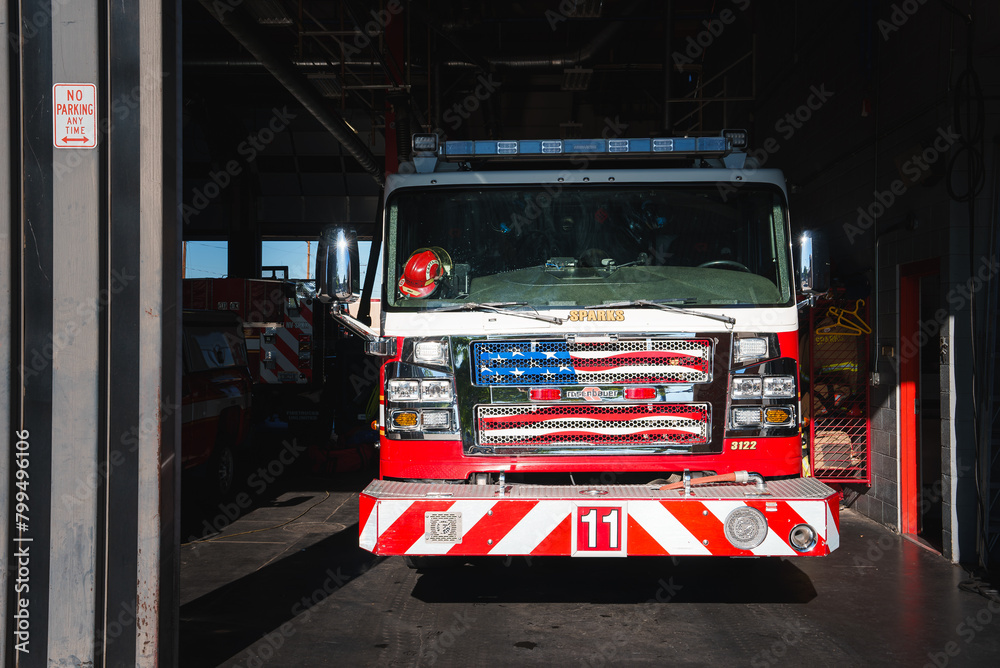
286,365
610,520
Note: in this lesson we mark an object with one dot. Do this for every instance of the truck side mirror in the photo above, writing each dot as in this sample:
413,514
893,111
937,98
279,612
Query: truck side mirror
814,264
337,268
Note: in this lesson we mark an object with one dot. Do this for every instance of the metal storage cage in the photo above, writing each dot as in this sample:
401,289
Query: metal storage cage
837,399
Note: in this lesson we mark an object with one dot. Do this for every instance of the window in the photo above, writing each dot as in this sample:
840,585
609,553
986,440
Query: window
298,256
364,251
206,259
589,245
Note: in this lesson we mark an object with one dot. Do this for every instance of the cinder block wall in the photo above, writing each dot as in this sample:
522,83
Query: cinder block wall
889,82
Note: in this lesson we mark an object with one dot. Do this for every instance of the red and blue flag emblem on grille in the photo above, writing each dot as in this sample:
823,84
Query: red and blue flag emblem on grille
613,362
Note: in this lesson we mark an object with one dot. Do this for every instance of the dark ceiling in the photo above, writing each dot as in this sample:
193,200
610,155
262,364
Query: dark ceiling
257,163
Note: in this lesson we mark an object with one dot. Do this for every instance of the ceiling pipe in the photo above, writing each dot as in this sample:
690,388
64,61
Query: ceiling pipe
668,49
248,34
247,63
571,59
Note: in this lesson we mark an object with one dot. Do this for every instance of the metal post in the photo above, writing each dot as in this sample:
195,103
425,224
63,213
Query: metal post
26,554
6,265
75,254
89,307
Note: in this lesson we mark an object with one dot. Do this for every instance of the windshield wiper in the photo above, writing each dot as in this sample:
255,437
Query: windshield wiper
666,307
499,307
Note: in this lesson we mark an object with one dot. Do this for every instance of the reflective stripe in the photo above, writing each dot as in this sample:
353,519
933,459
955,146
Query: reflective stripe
665,529
369,529
832,531
472,512
534,528
387,512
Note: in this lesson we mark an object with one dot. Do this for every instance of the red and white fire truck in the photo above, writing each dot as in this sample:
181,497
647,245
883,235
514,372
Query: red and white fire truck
277,322
216,399
597,357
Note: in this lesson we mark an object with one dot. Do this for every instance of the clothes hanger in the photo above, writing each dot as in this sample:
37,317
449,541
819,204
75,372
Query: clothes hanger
839,329
851,319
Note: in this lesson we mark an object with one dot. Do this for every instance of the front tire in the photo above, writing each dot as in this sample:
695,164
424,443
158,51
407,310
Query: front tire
222,471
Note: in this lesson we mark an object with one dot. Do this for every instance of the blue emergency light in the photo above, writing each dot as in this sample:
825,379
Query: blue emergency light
428,148
721,145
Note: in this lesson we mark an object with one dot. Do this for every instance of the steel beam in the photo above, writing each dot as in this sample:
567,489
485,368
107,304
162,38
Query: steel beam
249,35
88,304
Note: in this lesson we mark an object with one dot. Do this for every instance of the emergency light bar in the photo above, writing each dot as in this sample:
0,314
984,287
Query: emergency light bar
729,141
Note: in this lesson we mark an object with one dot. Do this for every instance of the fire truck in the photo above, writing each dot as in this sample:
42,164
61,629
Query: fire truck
277,322
285,346
588,348
215,399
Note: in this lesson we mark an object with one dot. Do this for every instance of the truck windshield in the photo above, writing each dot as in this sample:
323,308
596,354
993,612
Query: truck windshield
588,245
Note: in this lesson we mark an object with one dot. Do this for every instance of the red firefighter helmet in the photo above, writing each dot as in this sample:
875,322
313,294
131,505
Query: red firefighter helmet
422,272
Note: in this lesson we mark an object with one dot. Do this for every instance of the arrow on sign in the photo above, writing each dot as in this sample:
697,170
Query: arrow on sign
74,139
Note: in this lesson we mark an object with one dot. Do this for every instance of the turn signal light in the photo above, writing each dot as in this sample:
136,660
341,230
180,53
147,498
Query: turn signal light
777,416
405,419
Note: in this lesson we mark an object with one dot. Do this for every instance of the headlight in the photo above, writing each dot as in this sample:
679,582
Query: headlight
779,386
746,387
430,352
435,390
403,390
413,389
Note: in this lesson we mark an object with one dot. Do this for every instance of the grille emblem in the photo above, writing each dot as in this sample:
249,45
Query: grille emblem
593,394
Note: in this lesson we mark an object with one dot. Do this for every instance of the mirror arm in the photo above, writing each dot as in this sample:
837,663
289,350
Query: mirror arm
374,344
355,325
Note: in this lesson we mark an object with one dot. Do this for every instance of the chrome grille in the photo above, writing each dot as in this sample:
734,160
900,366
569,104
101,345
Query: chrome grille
568,424
612,362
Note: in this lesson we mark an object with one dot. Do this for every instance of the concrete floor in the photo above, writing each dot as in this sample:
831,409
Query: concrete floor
285,584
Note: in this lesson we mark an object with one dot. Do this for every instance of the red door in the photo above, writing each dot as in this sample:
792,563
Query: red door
920,329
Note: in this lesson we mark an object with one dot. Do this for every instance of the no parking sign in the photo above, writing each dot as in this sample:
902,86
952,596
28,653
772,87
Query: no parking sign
74,115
